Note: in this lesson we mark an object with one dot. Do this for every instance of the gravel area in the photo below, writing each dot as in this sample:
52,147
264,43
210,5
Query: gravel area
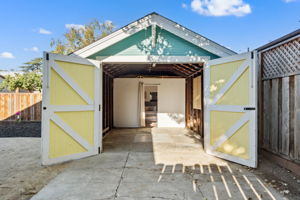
21,173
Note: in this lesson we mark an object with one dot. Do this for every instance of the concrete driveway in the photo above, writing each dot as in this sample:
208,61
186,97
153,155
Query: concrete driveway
159,163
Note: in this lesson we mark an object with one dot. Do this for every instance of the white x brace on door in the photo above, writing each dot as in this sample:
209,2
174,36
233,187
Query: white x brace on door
71,116
230,113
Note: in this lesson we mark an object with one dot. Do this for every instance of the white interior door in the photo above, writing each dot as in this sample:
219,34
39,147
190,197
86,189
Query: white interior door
71,115
230,114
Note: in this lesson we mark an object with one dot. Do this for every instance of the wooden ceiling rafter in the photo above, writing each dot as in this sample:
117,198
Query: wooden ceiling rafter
197,72
186,68
178,69
182,69
114,68
180,72
196,66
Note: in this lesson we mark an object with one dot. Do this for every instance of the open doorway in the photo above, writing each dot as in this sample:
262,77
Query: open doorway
151,105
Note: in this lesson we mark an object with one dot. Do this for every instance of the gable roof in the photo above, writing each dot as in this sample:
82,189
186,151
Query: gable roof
161,22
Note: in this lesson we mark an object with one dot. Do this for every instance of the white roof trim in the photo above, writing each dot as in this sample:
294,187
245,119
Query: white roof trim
162,22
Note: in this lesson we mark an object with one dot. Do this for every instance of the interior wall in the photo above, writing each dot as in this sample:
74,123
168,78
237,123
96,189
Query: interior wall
171,101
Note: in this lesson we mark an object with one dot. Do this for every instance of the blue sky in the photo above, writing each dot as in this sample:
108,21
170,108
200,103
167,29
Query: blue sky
27,27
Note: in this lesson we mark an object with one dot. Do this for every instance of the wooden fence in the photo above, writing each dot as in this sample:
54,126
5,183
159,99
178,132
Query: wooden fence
279,116
26,105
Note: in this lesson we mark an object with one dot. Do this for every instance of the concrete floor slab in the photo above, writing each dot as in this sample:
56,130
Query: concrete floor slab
154,164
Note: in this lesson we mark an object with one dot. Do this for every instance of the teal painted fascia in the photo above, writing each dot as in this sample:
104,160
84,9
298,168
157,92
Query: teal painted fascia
167,44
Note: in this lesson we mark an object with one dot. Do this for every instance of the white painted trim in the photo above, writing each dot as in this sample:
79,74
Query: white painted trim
48,114
113,38
230,131
163,23
68,157
72,59
191,36
66,108
206,120
98,101
228,108
231,81
72,83
247,162
152,59
233,58
56,119
45,113
250,115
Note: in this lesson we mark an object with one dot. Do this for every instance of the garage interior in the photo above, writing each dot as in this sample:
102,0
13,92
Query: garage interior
190,73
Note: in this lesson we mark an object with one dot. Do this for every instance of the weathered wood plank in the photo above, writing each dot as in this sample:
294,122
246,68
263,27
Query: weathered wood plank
285,128
279,115
292,116
274,117
266,113
297,118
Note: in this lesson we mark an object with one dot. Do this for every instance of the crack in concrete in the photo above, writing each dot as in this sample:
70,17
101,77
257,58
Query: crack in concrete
121,178
151,197
196,182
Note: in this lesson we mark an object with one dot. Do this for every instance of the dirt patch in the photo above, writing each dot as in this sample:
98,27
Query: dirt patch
279,178
21,173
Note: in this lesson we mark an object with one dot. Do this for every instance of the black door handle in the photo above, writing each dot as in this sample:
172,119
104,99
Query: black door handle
249,108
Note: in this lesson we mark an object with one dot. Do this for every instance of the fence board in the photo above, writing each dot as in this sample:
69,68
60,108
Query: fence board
285,128
280,76
28,104
297,118
274,117
266,113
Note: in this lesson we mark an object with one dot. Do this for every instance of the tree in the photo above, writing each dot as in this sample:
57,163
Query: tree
11,83
35,65
78,37
30,81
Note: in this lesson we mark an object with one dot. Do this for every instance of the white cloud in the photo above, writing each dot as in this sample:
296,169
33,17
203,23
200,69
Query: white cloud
221,7
44,31
7,55
289,1
75,26
183,5
35,49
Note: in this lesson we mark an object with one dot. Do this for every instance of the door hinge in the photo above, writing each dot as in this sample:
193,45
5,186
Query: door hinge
99,107
249,108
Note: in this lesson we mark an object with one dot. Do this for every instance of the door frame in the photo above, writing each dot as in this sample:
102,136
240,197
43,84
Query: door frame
252,57
47,110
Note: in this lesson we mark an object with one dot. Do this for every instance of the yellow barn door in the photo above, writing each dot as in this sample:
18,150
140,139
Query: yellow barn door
230,109
71,116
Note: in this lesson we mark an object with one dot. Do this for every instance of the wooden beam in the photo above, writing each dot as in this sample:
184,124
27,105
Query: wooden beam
186,67
197,72
182,70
